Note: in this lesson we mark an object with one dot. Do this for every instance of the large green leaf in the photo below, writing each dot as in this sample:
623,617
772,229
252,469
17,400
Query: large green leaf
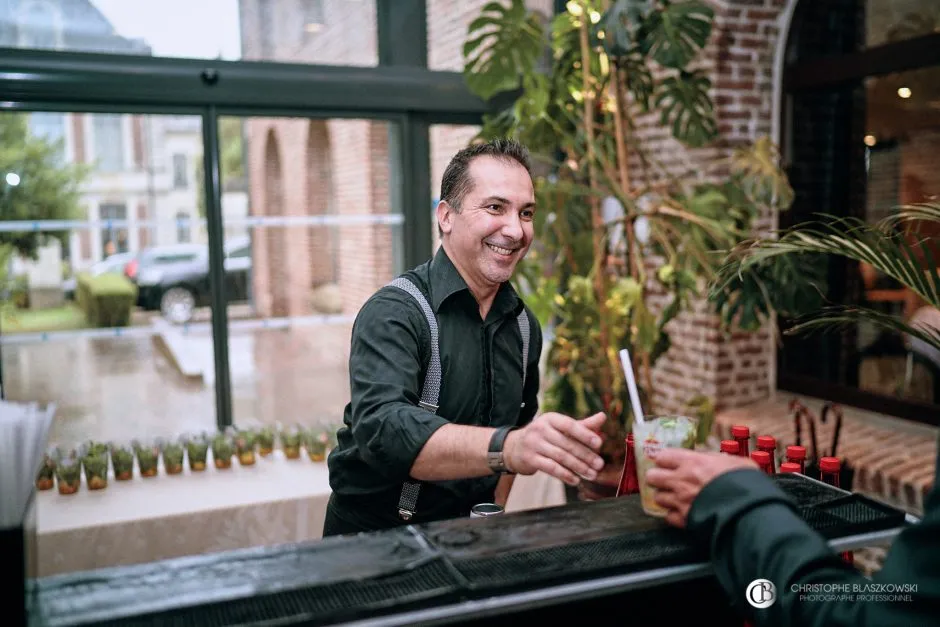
638,79
761,178
675,33
685,104
783,274
791,286
504,44
620,24
837,317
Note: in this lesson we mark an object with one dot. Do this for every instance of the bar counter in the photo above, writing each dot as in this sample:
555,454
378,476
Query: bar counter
583,559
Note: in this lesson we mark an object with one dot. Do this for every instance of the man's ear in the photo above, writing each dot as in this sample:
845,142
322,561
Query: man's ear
445,216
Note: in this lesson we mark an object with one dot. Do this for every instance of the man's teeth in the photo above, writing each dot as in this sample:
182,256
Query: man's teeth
501,251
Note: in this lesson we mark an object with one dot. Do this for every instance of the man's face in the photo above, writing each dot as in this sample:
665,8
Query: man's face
493,229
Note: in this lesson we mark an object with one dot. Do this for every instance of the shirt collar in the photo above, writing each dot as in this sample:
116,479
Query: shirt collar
446,281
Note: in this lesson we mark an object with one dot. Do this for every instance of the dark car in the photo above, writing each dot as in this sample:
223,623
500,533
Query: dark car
174,280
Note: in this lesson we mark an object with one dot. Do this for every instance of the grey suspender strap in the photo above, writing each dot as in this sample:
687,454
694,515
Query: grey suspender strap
431,392
432,380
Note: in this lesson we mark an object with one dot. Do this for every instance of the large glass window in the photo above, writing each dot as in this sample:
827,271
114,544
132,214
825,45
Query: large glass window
863,147
331,32
71,231
889,21
315,234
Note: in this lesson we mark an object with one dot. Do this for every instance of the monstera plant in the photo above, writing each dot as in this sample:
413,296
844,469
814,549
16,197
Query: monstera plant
624,244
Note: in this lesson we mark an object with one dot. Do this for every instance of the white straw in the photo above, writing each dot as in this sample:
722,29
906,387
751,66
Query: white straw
631,384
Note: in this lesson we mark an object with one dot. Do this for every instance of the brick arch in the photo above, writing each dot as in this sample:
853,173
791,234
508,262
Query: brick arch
323,252
275,236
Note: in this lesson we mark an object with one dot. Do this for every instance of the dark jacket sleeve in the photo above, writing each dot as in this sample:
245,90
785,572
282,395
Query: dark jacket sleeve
752,530
530,393
386,363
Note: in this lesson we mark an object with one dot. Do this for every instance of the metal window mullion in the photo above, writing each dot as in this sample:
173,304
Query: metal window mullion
216,235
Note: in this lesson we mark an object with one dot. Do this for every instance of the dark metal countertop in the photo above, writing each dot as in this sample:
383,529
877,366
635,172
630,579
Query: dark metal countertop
430,574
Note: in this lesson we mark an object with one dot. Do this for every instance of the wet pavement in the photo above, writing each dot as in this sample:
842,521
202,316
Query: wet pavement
123,388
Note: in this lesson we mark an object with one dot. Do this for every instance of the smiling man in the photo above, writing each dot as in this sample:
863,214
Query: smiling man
444,368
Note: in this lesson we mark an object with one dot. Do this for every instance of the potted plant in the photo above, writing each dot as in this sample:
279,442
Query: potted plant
93,448
197,449
266,440
222,450
317,441
122,458
291,440
173,457
45,478
245,446
148,455
622,247
96,471
68,473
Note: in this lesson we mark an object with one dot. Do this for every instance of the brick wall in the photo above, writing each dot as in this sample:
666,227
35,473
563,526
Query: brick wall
734,369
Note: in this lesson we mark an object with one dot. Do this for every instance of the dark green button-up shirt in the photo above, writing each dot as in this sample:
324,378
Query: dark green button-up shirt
481,384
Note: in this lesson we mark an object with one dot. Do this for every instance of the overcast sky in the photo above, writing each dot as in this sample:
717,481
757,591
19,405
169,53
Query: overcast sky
198,29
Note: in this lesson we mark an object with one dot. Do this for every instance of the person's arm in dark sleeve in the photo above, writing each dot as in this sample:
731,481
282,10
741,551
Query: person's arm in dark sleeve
386,362
752,530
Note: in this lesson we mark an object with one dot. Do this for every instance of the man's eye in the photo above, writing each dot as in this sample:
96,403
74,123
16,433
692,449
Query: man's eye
493,207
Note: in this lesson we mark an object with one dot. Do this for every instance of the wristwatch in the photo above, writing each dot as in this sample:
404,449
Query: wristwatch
494,456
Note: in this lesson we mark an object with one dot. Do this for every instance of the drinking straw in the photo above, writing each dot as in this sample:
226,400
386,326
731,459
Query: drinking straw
631,384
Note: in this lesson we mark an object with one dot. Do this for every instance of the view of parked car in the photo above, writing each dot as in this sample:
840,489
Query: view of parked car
174,280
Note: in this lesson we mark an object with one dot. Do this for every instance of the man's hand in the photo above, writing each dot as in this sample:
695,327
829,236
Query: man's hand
680,474
560,446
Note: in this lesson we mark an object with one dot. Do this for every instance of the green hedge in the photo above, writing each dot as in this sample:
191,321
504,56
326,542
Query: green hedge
106,299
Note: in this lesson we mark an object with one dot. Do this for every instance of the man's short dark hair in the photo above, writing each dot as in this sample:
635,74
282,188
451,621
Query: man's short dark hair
456,183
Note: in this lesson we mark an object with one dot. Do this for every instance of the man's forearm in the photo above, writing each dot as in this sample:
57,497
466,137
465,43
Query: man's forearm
454,452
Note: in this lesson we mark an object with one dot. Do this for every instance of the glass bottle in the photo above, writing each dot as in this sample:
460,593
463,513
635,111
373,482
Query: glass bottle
731,447
797,455
763,460
768,443
786,467
629,484
829,470
742,433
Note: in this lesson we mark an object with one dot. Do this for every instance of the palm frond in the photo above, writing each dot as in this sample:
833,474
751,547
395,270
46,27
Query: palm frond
885,250
837,317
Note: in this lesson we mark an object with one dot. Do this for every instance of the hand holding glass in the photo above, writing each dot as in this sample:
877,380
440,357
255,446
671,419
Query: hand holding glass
654,434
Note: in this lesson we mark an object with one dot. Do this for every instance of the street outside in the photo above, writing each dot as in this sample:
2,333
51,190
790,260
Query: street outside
123,388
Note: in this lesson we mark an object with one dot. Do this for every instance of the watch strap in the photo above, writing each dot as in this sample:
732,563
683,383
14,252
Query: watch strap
494,456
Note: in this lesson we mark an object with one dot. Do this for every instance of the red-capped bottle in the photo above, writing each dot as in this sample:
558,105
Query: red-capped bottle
742,434
768,443
829,470
786,467
762,458
629,483
797,455
731,447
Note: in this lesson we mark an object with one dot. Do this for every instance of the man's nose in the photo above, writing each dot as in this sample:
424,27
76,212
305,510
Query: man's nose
512,227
